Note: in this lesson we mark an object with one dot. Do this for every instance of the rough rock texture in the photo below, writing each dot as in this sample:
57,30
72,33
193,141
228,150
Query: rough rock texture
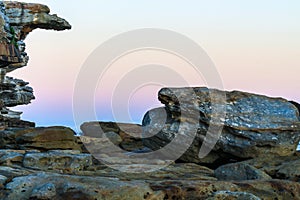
254,125
258,140
240,171
65,161
228,195
16,21
39,173
49,138
279,167
126,136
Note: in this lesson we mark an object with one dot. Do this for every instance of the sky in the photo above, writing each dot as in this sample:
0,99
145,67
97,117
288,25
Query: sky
254,44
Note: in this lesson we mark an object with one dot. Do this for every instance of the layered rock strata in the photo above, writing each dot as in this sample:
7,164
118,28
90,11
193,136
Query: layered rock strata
17,20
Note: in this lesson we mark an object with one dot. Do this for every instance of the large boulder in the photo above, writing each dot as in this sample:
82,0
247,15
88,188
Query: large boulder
253,125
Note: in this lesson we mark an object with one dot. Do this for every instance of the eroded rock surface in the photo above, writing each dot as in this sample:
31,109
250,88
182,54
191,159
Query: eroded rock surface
259,140
253,125
17,20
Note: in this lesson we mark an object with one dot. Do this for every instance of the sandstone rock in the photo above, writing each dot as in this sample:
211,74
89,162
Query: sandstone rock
287,168
240,171
49,138
46,191
57,161
16,21
179,172
273,189
228,195
11,173
15,92
3,180
75,187
10,157
254,125
125,136
30,16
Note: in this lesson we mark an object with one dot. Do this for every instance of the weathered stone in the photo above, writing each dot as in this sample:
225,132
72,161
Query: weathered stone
125,136
16,21
10,157
76,187
31,16
58,161
273,189
48,138
3,180
240,171
228,195
253,125
11,173
184,171
279,167
15,92
44,192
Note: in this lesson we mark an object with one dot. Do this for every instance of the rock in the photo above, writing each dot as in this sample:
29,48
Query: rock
253,125
289,171
273,189
233,196
158,132
11,173
46,191
16,21
125,136
58,161
33,16
240,171
3,180
15,92
49,138
11,157
75,187
287,168
297,106
8,138
182,171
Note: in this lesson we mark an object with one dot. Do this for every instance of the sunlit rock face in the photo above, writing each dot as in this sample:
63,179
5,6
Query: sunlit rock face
17,20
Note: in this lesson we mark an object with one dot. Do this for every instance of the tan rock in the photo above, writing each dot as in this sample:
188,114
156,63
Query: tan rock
47,138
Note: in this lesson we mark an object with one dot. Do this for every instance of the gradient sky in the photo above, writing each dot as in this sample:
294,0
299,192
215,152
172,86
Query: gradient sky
254,44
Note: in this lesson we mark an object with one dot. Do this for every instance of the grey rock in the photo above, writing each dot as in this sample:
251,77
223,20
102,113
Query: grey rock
10,157
240,171
3,180
44,192
253,125
11,173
